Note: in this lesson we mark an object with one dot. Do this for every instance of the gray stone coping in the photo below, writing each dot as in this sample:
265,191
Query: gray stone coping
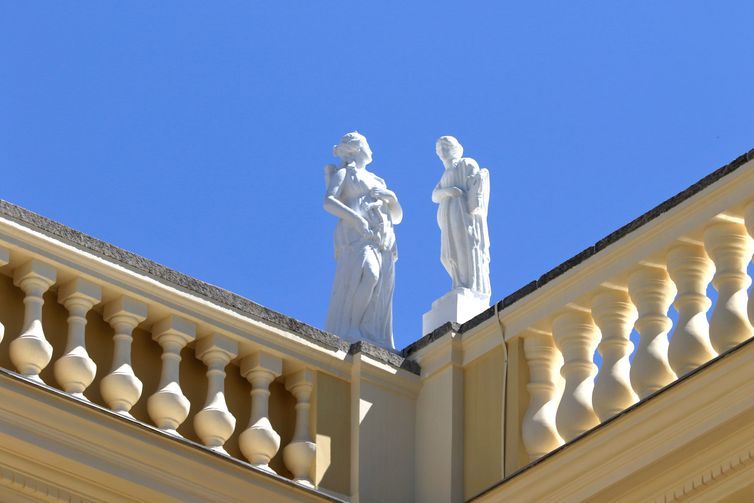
588,252
193,286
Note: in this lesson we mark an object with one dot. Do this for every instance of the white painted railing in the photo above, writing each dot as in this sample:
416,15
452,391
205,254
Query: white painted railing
588,313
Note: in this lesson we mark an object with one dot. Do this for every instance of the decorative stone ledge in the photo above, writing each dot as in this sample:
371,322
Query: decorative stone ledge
385,356
627,229
118,426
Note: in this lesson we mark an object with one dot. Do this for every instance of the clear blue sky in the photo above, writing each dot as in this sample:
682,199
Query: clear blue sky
194,133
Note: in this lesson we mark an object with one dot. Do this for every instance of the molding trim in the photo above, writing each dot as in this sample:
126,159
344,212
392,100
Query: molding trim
36,487
68,442
702,481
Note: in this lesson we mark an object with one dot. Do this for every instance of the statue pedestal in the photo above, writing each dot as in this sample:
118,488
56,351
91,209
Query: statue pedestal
457,306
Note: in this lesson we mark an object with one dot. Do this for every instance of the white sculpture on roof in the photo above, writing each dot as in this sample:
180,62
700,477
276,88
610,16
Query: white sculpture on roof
361,303
463,195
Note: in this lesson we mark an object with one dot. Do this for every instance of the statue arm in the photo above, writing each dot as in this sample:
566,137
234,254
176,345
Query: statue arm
396,212
439,194
389,197
334,206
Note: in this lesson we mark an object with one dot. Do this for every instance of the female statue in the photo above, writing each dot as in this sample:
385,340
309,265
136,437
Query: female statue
361,305
463,195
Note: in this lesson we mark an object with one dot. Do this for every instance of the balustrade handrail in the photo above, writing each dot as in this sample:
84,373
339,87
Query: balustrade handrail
724,190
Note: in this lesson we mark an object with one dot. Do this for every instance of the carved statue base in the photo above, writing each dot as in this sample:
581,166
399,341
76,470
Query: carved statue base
458,306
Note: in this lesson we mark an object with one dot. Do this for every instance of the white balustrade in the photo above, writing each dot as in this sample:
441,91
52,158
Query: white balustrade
168,406
30,352
259,442
730,248
576,336
615,315
300,453
75,370
691,271
652,292
214,424
539,429
121,389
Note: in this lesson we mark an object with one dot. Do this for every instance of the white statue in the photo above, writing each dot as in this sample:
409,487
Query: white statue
463,195
361,305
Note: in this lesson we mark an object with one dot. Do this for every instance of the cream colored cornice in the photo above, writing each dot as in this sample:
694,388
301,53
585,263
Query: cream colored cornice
441,353
107,455
378,373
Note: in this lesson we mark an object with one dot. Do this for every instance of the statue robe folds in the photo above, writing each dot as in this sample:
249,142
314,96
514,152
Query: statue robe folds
362,259
465,244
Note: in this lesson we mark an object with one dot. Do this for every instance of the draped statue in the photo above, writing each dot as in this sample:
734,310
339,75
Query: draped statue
463,195
361,304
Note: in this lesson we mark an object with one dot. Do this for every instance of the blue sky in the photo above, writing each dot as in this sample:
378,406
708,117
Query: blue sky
195,133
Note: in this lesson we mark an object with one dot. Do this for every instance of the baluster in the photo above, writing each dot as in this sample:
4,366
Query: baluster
749,220
121,388
539,431
299,454
576,336
652,293
214,424
691,270
615,316
730,248
75,370
4,260
30,352
168,406
259,442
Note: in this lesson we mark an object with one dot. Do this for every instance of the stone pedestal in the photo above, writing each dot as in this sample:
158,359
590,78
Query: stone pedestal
457,306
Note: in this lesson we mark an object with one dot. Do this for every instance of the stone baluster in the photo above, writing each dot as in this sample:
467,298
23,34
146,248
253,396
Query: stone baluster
121,388
259,442
615,315
299,454
539,431
652,292
749,220
168,406
30,352
4,260
576,336
691,270
75,370
214,424
730,248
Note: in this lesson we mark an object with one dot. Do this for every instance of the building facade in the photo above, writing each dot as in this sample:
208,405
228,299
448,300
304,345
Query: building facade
123,380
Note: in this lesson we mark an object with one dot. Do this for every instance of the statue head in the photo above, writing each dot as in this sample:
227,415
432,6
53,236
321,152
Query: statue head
448,149
353,147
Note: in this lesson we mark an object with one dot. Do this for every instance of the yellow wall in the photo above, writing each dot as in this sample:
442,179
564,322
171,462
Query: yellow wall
483,407
517,401
333,433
